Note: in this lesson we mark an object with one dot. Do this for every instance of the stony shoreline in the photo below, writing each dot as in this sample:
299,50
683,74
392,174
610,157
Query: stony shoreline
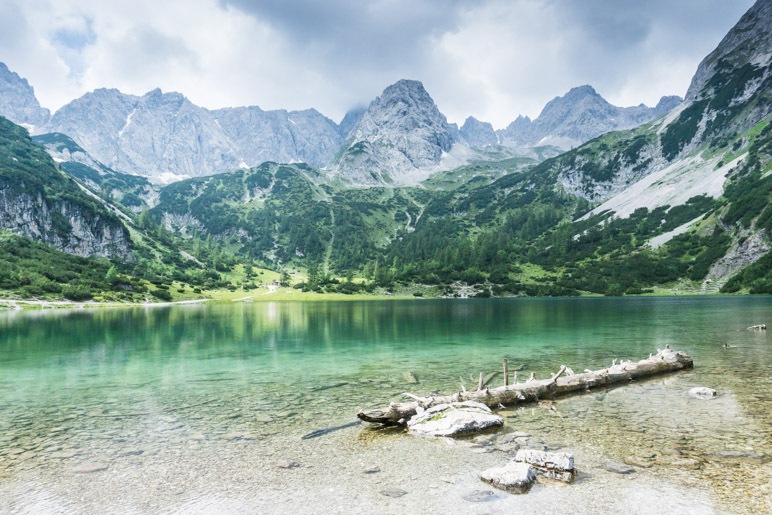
355,470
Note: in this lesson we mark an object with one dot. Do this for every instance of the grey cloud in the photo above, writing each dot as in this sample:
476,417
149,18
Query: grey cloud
353,32
619,25
609,41
147,51
362,46
13,25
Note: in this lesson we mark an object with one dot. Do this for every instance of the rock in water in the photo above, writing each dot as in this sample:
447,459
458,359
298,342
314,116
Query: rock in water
514,477
701,392
454,419
554,465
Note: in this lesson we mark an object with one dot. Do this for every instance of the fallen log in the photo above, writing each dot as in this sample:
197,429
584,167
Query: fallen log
665,361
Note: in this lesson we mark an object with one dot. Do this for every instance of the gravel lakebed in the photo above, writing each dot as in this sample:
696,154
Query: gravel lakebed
259,463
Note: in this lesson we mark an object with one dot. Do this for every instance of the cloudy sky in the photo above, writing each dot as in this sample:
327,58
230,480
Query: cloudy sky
493,59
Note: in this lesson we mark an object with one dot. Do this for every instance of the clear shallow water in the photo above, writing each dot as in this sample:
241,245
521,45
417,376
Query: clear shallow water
200,394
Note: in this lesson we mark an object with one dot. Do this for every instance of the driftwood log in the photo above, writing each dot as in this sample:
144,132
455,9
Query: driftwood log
563,382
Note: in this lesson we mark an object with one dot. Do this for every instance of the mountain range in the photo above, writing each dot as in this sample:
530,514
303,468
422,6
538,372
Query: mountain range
404,199
400,138
578,116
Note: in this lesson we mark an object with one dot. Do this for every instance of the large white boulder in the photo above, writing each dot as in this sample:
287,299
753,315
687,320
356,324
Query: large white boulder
453,419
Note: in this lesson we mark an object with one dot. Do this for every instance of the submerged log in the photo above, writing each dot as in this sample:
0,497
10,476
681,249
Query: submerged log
664,361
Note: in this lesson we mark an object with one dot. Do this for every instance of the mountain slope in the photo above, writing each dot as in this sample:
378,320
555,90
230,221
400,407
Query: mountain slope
38,201
280,136
132,192
477,133
728,100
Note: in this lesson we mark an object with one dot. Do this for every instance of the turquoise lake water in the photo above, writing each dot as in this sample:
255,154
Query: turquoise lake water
120,389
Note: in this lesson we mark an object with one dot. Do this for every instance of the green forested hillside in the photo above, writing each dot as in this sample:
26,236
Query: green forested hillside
516,235
26,168
129,192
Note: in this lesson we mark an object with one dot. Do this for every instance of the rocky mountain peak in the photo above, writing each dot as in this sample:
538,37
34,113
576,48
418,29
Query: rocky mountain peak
582,98
400,135
477,133
582,91
579,116
158,97
750,40
18,102
403,106
667,104
411,92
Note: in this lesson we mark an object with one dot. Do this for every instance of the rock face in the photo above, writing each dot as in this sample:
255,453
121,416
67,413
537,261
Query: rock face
18,102
280,136
399,135
165,137
454,419
159,135
578,116
66,226
753,27
477,133
513,477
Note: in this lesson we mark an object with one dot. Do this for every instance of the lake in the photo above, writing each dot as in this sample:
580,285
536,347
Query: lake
202,408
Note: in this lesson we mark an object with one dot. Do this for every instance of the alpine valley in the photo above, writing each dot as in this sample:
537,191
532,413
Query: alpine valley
118,197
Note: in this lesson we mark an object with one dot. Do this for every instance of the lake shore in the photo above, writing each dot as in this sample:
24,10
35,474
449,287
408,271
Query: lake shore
277,295
353,471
